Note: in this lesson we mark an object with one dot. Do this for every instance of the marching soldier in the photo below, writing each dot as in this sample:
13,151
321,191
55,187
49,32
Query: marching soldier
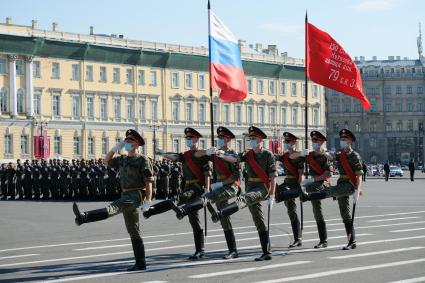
19,171
349,182
27,180
320,170
55,179
261,172
11,181
226,187
45,180
75,180
164,174
197,174
3,180
136,181
36,176
291,186
84,180
175,180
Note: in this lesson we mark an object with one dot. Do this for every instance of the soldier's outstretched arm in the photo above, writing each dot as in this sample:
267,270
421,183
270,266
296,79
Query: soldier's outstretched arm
228,157
114,150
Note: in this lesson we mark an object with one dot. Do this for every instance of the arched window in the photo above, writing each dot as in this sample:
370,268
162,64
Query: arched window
4,100
20,105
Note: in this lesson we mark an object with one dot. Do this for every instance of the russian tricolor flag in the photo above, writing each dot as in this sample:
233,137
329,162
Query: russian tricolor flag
226,72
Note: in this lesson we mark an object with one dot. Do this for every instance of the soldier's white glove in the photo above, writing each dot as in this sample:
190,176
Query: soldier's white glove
304,152
211,150
118,146
6,182
307,182
270,201
356,196
159,151
217,185
39,177
146,205
105,177
220,153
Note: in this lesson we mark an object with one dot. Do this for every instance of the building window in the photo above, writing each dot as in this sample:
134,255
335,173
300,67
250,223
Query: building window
24,144
175,111
141,77
347,106
36,71
37,103
419,90
104,146
202,144
90,107
399,106
316,117
249,82
294,117
4,100
8,144
410,125
409,106
238,114
226,113
76,105
20,103
420,107
142,109
357,127
57,145
294,89
55,71
398,89
373,105
249,115
261,115
129,76
104,108
75,72
176,145
3,66
153,78
117,108
77,146
388,107
89,73
188,80
409,89
372,126
189,111
90,145
56,105
303,89
130,108
102,74
215,112
154,106
272,87
388,126
175,80
283,119
116,75
372,142
20,71
282,88
272,118
357,106
399,125
387,90
315,90
202,112
239,147
260,86
201,81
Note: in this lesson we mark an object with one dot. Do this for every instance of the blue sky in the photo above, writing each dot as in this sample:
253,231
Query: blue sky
363,27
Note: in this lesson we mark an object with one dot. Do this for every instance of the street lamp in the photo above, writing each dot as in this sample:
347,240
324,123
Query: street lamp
154,128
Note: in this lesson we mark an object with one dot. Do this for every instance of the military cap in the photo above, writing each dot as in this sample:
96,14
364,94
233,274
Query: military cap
254,131
318,135
191,132
289,136
135,135
225,132
348,134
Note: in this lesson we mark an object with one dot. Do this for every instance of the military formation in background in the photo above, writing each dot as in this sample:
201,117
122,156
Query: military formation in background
82,180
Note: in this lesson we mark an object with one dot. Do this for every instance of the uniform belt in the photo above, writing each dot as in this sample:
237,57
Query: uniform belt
193,181
221,178
290,177
252,179
344,177
131,189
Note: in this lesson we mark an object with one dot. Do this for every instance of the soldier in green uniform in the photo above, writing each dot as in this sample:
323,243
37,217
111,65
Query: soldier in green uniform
261,183
226,187
197,174
320,170
136,182
291,186
349,182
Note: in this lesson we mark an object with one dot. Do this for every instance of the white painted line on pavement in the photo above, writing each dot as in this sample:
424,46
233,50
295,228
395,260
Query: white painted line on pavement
411,280
250,269
342,271
393,219
407,230
118,246
214,230
155,282
377,253
17,256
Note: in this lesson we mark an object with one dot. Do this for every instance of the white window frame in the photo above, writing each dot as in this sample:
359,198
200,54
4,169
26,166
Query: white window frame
175,83
188,80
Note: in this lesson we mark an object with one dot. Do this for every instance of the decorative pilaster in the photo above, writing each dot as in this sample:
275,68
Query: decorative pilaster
29,86
12,85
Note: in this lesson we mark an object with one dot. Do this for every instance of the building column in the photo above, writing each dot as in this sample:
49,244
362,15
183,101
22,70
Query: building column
12,86
30,87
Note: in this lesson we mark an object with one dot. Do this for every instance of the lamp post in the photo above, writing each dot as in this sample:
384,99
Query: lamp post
245,136
154,128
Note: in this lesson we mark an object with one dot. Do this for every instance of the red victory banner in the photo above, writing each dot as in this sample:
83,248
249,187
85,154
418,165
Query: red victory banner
329,65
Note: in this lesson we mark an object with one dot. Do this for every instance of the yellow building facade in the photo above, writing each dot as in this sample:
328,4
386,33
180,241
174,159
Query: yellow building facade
87,90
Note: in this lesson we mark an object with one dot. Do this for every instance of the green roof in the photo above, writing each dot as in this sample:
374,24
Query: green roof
41,47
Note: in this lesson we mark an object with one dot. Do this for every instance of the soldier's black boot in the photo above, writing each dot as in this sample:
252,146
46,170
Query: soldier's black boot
89,216
161,207
352,239
323,235
312,196
296,232
265,246
195,205
287,194
139,255
199,245
231,245
226,211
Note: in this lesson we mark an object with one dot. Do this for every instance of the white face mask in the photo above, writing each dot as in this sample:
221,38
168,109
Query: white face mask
253,143
343,144
189,143
287,146
220,142
316,145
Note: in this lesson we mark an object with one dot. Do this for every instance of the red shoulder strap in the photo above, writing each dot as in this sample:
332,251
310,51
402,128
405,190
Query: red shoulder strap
195,169
257,169
316,167
223,169
288,165
346,166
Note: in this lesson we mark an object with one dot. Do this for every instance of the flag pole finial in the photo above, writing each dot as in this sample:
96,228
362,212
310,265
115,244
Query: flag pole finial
209,5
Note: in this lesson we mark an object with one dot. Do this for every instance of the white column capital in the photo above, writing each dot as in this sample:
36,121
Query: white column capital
29,59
